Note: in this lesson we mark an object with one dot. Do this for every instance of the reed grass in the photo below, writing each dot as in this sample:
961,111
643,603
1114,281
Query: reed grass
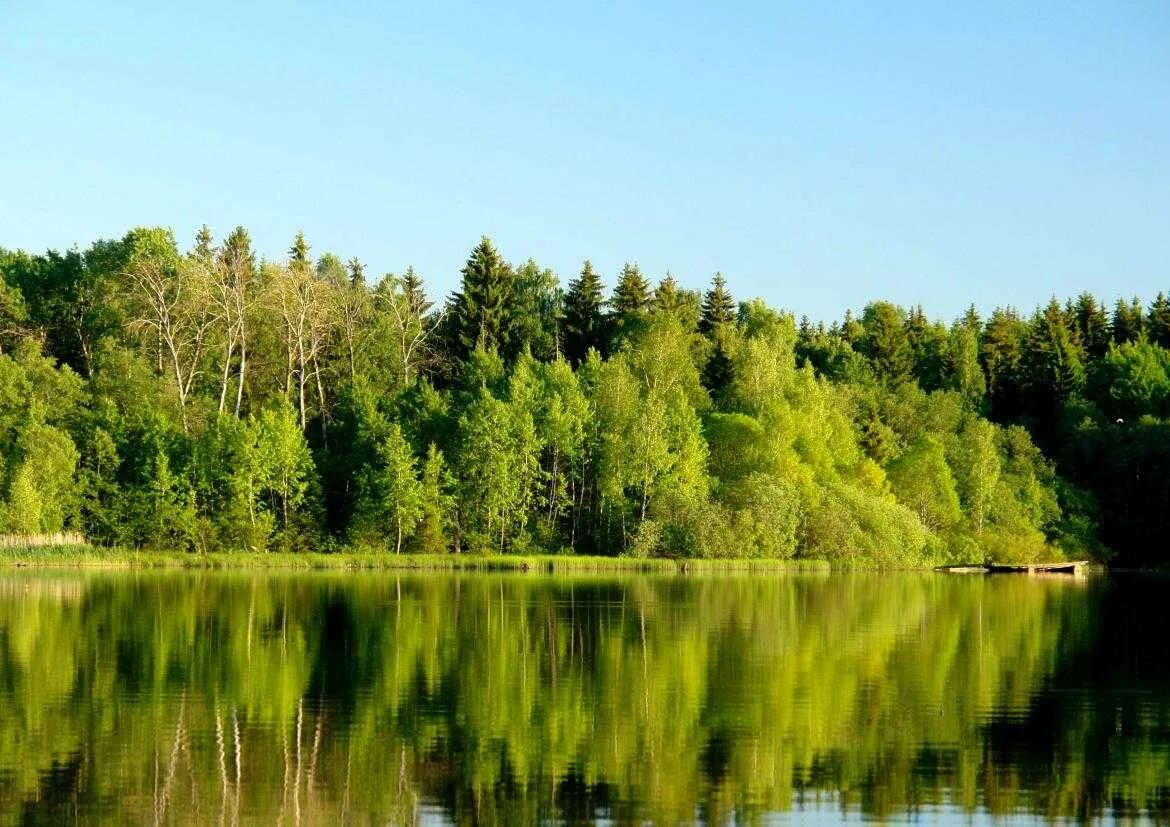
92,556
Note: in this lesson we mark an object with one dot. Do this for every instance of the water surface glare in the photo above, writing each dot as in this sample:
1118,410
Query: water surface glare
329,698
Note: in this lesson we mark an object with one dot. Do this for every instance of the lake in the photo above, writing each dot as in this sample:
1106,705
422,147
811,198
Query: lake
327,698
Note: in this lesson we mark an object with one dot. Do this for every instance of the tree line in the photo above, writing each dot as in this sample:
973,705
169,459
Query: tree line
209,399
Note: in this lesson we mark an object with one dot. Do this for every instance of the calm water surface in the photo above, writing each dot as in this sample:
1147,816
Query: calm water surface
223,698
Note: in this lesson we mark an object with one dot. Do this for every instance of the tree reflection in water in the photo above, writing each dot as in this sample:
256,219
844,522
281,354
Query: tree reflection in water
226,698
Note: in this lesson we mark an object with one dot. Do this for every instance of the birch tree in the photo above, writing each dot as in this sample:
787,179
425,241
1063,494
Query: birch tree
170,301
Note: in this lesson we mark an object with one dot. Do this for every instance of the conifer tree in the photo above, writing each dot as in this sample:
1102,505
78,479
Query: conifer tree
718,307
204,245
630,304
584,325
1158,322
357,272
481,312
415,293
1127,321
684,305
666,292
718,372
1092,325
298,253
631,296
1052,362
885,342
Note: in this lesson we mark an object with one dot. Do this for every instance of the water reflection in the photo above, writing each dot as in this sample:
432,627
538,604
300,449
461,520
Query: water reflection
327,698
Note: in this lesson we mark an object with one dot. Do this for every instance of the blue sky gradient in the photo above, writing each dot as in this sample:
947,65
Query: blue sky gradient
939,154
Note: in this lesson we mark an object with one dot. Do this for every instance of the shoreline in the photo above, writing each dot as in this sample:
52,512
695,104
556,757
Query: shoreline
88,557
93,557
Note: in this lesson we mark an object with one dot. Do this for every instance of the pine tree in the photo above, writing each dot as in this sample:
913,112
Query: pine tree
298,253
885,342
718,372
584,325
357,272
631,296
630,304
415,293
1092,325
718,307
238,245
481,311
1052,362
204,244
666,295
1158,322
1000,352
1127,321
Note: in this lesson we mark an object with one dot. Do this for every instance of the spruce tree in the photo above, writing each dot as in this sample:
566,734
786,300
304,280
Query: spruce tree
718,372
204,244
238,247
885,342
584,325
1092,325
718,307
415,293
1000,352
357,272
1127,321
298,253
1158,322
482,309
666,295
1052,362
631,296
630,304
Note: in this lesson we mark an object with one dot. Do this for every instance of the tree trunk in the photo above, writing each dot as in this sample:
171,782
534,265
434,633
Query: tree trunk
243,364
227,368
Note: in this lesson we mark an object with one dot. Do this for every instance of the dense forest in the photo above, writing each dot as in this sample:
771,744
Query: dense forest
211,400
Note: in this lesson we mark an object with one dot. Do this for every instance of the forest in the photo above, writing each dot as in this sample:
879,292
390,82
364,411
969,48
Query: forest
210,399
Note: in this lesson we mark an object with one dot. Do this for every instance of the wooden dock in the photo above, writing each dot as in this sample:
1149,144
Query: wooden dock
1064,567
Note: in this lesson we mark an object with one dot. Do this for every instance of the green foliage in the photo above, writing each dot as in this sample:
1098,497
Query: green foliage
481,313
284,470
584,325
718,307
924,484
392,493
197,400
629,306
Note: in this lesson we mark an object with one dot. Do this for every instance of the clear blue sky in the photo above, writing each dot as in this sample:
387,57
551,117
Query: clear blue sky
942,153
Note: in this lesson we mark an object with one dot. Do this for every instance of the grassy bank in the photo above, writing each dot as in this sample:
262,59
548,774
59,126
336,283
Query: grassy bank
89,556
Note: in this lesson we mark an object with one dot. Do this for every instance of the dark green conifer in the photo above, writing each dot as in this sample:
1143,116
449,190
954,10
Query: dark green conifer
298,253
630,304
357,272
584,325
481,310
718,307
1127,321
1158,322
